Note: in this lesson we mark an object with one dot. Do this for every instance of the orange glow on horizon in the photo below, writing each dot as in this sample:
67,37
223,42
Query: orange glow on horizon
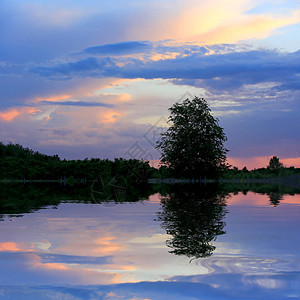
261,162
250,162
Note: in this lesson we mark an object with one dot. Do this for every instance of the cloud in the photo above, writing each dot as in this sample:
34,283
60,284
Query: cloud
213,22
9,246
32,31
144,290
74,259
236,69
248,27
76,103
86,67
122,48
107,246
274,286
27,88
10,115
195,67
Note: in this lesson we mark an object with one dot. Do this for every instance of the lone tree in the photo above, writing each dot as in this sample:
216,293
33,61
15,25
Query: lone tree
193,146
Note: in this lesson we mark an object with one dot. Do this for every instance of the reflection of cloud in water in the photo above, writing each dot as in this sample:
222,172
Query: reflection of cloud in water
154,241
246,264
250,287
107,246
139,291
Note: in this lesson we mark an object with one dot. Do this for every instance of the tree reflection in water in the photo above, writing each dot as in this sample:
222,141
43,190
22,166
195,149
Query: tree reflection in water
193,215
275,198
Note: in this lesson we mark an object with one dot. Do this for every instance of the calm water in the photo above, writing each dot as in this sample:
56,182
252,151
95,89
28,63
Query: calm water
223,246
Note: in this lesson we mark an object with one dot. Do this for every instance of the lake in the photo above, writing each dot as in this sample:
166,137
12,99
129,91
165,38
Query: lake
179,242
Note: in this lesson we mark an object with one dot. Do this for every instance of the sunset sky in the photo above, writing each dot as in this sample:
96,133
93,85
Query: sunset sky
96,78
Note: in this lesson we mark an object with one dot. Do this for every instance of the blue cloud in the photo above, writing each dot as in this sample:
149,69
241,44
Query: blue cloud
217,72
123,48
289,85
74,259
221,71
86,67
77,103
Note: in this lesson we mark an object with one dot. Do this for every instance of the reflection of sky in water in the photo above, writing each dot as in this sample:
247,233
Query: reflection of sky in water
85,251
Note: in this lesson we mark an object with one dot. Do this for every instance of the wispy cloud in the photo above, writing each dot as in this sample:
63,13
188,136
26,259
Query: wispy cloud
8,116
86,67
123,48
77,103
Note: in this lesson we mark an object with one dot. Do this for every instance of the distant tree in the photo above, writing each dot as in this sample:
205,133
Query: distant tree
235,169
193,145
245,170
275,164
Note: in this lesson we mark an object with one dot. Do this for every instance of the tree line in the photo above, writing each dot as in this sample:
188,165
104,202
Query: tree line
18,163
274,169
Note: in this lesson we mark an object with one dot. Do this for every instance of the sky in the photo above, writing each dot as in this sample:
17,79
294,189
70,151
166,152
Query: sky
91,78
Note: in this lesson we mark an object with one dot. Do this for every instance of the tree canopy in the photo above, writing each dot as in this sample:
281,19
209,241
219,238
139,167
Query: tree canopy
275,164
193,146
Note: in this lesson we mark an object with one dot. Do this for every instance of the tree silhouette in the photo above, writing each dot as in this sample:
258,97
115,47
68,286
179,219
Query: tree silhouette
193,145
275,164
193,216
18,163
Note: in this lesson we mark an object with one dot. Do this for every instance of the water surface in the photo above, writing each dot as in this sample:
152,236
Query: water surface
184,244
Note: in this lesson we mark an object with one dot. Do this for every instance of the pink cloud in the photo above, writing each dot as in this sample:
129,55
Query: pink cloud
9,246
10,115
107,246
